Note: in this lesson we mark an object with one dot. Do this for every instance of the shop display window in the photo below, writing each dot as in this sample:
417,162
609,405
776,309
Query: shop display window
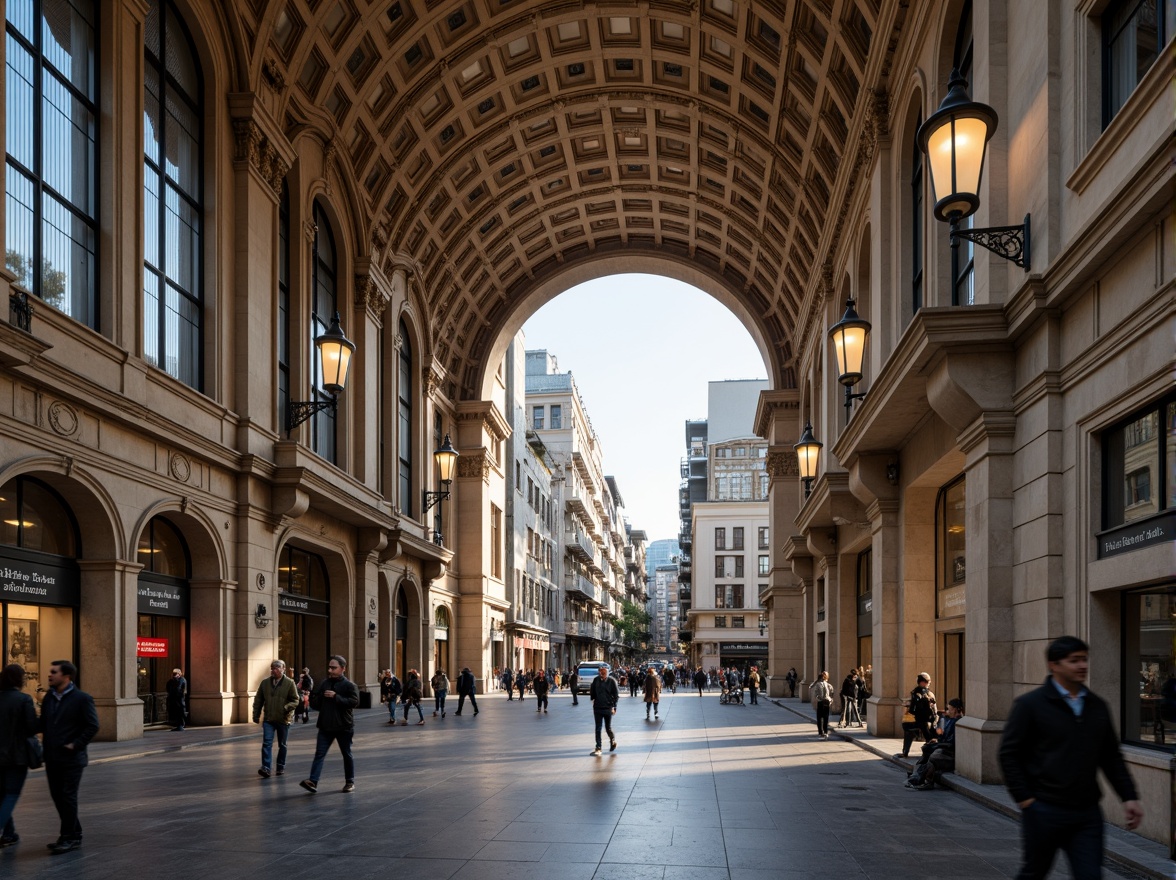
1149,667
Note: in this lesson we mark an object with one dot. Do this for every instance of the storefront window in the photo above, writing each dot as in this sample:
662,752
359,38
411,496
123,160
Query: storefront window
303,611
1149,667
1138,460
951,549
162,637
39,580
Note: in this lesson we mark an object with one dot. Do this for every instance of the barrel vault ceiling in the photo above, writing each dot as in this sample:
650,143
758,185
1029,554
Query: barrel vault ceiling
495,143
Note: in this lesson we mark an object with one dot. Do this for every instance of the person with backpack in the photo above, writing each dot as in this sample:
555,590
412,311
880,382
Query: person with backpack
395,689
849,701
921,705
440,684
305,687
413,693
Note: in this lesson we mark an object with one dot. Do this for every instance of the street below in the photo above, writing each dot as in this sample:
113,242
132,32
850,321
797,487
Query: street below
708,792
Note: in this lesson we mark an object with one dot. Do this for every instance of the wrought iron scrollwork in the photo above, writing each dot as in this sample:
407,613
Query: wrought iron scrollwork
20,310
1010,242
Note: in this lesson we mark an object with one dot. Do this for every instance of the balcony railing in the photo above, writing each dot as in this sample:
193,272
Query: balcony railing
577,583
579,544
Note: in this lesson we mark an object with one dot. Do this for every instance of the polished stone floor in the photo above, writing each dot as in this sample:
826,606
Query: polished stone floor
710,792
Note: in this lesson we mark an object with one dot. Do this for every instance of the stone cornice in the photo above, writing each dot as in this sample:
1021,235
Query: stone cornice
493,422
770,404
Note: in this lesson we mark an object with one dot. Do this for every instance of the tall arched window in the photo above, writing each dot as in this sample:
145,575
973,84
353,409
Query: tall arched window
916,221
963,258
173,305
51,88
404,421
283,340
324,272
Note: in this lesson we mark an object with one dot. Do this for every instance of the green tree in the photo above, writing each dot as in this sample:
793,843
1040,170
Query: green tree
52,280
633,625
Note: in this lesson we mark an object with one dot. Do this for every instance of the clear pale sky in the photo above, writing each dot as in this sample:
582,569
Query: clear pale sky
643,351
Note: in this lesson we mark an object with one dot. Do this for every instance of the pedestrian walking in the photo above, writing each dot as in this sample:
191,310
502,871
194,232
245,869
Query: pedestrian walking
849,700
466,686
413,693
753,683
652,693
521,684
68,722
604,696
177,699
671,681
305,687
791,678
273,707
573,682
1055,740
822,700
395,689
335,700
440,684
541,688
18,722
700,681
508,685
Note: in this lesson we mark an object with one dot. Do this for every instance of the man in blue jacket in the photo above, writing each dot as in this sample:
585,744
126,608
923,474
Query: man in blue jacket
1054,741
68,722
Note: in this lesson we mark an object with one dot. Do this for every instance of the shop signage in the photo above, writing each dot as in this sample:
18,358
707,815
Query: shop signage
150,647
531,643
37,582
441,634
953,601
301,604
1156,530
168,600
736,647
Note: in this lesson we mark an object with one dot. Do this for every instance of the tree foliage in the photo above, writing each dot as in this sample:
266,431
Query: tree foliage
52,280
633,624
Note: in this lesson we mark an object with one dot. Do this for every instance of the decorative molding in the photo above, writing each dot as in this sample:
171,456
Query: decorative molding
782,464
368,295
251,145
272,75
475,464
180,467
63,419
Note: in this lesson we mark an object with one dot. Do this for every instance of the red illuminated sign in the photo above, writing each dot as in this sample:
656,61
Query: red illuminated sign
150,647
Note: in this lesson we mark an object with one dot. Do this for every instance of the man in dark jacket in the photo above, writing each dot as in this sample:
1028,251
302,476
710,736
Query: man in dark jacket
466,686
604,696
335,698
1054,741
573,685
68,722
700,681
177,699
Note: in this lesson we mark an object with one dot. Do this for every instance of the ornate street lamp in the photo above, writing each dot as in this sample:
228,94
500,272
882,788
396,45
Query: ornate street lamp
849,337
808,451
446,458
334,357
955,139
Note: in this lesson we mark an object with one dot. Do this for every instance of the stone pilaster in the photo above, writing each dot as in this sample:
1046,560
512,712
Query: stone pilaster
109,625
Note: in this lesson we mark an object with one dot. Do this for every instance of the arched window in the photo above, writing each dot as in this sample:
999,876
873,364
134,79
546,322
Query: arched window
963,258
283,340
51,184
324,271
34,517
162,550
916,220
404,421
173,304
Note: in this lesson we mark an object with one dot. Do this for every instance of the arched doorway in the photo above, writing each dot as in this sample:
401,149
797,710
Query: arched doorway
304,610
162,642
400,650
40,592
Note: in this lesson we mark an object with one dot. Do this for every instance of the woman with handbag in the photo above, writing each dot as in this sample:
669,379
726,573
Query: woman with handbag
18,724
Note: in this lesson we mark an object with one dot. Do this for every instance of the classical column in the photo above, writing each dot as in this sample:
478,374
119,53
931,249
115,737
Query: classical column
107,666
869,484
210,625
988,522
